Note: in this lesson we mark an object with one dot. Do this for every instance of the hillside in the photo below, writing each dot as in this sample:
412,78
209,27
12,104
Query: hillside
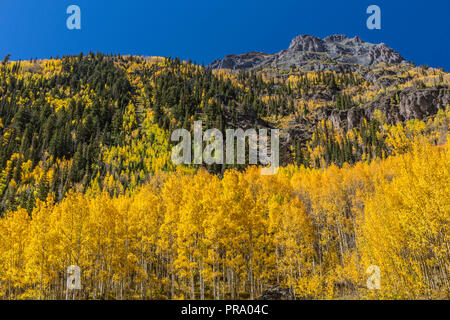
85,172
69,122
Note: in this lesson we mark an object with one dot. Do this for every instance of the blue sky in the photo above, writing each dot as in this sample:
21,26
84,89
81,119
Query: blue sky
208,29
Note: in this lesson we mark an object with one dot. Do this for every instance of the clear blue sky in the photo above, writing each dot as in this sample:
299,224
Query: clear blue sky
204,30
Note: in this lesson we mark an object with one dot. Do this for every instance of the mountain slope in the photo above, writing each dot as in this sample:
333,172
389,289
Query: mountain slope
86,177
101,122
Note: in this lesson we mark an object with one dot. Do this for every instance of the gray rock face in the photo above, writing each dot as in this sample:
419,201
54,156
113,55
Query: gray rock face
277,293
414,104
240,61
311,53
307,43
419,104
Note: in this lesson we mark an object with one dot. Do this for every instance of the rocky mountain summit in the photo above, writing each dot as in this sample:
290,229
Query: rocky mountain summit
336,52
240,61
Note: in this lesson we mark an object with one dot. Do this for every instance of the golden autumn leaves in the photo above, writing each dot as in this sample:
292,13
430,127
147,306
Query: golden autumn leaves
195,236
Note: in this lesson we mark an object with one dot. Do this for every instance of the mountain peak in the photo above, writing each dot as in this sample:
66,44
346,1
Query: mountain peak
307,43
310,53
335,38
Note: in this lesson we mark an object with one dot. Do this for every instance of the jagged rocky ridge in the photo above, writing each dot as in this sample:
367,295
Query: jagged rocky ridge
336,52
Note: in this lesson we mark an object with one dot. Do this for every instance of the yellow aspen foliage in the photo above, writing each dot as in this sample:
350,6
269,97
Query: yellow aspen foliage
193,235
404,228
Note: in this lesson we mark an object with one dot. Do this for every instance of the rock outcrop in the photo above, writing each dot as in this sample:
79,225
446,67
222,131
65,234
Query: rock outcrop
420,104
240,61
277,293
414,104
